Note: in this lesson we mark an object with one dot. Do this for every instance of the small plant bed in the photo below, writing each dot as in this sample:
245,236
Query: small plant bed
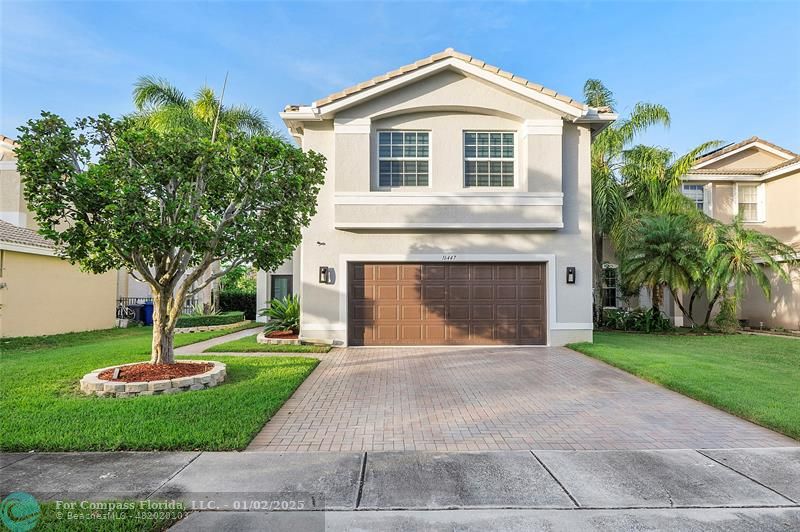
155,372
285,335
278,338
249,344
141,378
210,320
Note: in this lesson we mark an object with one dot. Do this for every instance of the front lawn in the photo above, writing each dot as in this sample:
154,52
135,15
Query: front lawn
107,516
43,409
249,344
754,377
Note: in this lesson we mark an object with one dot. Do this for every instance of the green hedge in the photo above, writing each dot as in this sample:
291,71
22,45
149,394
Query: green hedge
223,318
239,300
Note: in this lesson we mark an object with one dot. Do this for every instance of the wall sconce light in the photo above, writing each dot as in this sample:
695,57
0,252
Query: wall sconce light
323,274
570,274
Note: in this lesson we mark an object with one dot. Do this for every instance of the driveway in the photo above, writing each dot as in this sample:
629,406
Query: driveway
487,399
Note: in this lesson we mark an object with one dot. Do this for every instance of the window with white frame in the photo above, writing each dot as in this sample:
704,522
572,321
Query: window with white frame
488,159
403,158
696,194
747,198
610,286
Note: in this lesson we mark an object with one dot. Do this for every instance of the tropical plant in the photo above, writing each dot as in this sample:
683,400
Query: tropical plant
166,203
736,254
639,320
165,108
664,251
608,193
283,314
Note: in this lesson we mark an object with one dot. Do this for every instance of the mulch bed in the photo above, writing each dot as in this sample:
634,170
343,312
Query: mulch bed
289,335
146,372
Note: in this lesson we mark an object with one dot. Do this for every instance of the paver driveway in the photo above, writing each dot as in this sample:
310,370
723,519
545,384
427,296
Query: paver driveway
458,399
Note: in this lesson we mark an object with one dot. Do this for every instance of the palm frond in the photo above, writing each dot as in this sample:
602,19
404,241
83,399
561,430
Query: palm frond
596,94
152,92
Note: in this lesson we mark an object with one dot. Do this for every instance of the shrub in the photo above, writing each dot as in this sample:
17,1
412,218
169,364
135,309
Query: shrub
223,318
283,314
726,319
639,320
242,300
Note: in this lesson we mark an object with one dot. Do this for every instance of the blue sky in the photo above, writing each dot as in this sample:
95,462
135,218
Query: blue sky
725,70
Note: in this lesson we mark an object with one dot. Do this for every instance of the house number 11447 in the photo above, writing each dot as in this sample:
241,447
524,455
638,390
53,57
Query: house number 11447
448,257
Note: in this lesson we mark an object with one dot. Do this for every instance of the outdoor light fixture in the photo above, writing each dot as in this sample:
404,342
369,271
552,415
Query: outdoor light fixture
570,274
323,274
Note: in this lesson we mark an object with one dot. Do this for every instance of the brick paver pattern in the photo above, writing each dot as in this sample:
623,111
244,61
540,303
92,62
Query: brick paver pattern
470,399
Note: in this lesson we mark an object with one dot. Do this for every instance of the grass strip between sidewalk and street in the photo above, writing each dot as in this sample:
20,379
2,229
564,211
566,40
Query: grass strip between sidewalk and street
249,344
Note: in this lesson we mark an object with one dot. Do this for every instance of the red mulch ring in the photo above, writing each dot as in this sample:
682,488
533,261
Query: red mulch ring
146,372
291,335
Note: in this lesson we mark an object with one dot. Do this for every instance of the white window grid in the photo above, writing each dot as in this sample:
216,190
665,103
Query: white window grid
403,158
489,158
747,199
695,193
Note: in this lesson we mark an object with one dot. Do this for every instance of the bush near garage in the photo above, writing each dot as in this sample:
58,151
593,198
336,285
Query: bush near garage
241,300
223,318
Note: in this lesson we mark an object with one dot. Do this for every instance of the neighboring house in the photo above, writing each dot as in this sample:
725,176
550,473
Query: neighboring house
761,182
43,294
456,210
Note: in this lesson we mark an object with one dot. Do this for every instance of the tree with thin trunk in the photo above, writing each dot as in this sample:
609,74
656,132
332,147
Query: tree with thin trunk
608,192
665,251
165,201
737,254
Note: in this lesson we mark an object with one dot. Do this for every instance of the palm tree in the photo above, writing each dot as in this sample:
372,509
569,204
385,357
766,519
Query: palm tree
736,254
665,250
165,107
608,197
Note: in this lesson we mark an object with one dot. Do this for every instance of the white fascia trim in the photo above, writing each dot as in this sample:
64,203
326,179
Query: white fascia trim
543,127
549,259
8,165
454,63
794,167
778,258
23,248
756,144
410,198
724,177
352,126
520,226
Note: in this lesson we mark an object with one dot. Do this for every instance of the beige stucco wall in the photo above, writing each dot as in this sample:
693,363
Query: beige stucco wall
13,207
781,309
447,104
749,158
47,295
782,204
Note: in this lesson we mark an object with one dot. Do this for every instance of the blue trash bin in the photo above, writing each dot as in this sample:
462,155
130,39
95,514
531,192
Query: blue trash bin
148,313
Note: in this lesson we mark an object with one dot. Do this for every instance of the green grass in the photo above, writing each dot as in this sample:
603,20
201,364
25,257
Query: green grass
119,518
754,377
45,411
249,344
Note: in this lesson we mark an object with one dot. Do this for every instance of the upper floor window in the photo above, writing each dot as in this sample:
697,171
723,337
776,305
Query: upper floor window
403,158
488,159
695,194
747,198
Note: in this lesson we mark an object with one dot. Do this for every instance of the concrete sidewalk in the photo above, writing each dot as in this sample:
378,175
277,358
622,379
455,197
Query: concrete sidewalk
739,489
199,347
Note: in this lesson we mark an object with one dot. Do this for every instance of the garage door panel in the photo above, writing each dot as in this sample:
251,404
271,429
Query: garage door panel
452,303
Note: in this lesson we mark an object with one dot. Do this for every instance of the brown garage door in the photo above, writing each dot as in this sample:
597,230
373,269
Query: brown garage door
446,303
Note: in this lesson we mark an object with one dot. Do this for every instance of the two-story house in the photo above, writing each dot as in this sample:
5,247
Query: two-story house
761,182
456,210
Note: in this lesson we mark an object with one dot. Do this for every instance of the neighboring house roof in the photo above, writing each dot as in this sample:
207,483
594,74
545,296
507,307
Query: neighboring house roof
739,146
326,107
15,238
790,164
